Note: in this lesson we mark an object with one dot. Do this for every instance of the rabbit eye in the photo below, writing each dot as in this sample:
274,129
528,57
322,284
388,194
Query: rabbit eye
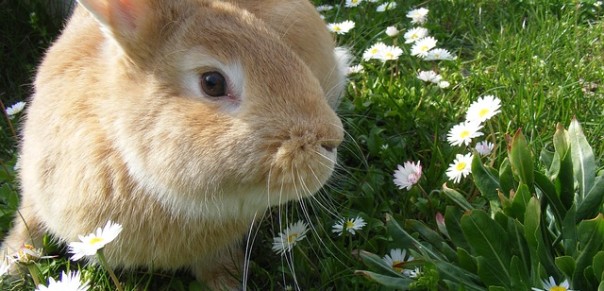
214,84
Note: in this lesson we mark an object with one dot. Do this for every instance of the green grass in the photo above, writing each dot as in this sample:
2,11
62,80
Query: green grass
543,59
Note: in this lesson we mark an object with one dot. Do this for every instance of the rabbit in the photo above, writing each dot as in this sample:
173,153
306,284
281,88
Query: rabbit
180,120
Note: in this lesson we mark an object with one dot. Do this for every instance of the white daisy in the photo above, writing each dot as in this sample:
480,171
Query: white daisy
550,285
421,47
386,6
397,259
392,31
341,27
444,84
484,148
91,243
325,7
418,16
353,3
351,225
483,108
439,54
14,109
355,69
415,34
460,168
407,175
27,254
390,53
374,51
463,133
5,265
429,76
287,239
69,282
412,273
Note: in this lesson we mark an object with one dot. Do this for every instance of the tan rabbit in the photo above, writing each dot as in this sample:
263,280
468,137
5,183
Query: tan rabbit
180,120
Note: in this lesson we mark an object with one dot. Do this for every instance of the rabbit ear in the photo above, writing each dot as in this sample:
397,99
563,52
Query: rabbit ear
117,15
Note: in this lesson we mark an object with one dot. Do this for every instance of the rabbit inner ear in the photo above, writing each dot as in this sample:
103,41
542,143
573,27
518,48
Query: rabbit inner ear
116,15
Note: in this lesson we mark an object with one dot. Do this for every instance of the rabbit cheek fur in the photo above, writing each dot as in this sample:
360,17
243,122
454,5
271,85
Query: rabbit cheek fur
120,129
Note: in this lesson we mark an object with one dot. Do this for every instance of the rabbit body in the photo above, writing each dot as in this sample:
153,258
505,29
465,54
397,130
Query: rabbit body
120,129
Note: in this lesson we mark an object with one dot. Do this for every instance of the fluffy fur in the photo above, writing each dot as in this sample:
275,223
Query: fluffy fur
119,129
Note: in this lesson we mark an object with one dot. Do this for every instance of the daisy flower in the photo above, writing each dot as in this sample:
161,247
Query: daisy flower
353,3
69,282
444,84
392,31
14,109
483,108
325,7
351,225
439,54
412,273
550,285
91,243
27,254
407,175
374,51
429,76
463,133
287,239
355,69
460,168
415,34
341,27
386,6
484,148
418,16
397,260
421,47
390,53
5,265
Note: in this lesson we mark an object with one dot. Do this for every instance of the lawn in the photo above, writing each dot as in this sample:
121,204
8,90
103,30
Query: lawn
531,210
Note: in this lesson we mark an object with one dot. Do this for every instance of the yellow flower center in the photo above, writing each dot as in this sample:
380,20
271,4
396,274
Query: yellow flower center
374,51
483,112
397,265
557,288
96,240
349,224
424,48
460,166
354,1
337,28
464,134
292,238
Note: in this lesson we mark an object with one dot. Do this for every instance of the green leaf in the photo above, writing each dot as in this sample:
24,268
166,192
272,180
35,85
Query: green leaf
519,200
566,264
451,272
453,224
591,238
457,198
466,261
486,179
569,231
388,281
497,288
521,160
506,177
549,192
405,240
489,242
561,171
435,239
519,275
540,253
584,164
598,265
592,203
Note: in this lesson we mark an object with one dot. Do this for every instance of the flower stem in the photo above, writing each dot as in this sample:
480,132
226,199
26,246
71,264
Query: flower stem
35,273
101,256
